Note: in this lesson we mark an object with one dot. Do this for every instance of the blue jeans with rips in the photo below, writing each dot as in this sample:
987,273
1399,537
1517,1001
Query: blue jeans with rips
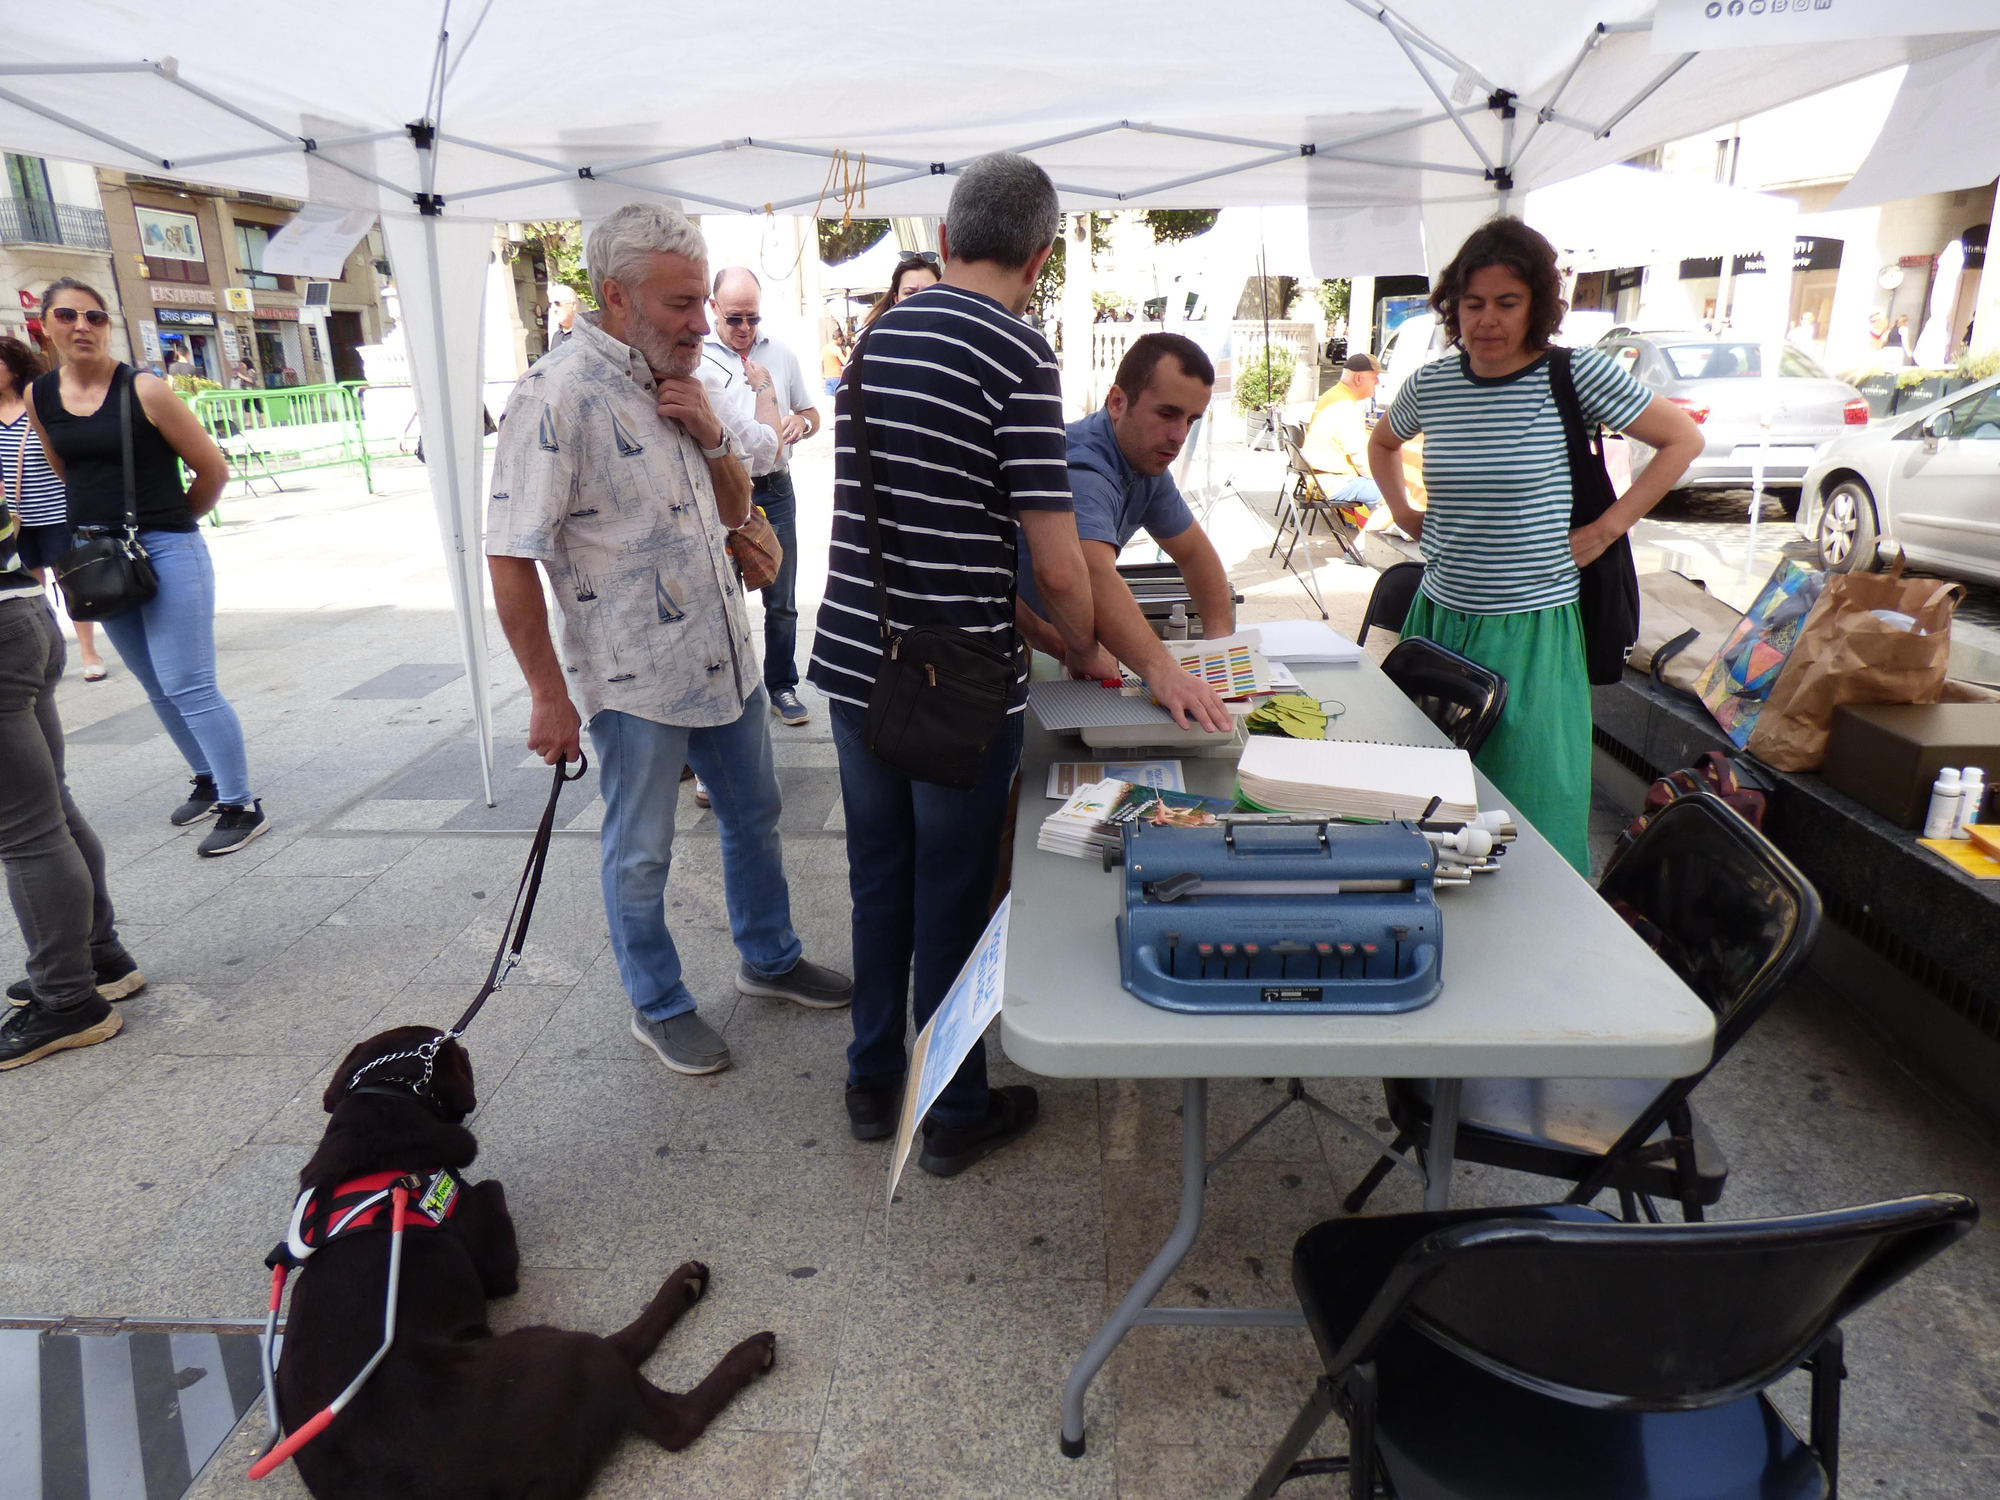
168,643
639,770
921,861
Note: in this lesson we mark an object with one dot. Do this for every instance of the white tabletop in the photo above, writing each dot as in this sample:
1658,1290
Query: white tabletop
1541,978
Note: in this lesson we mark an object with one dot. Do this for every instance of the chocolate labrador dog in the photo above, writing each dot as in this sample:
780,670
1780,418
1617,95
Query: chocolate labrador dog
453,1410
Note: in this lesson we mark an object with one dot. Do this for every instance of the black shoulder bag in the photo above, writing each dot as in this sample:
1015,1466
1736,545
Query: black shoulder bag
106,572
940,694
1608,586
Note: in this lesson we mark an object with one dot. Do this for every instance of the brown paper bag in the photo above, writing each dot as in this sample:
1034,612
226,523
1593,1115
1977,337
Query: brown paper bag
1845,654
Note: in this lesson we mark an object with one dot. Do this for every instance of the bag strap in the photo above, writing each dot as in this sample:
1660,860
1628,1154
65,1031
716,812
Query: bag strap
131,466
864,477
1585,447
524,898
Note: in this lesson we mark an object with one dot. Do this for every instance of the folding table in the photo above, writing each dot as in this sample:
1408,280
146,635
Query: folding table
1541,980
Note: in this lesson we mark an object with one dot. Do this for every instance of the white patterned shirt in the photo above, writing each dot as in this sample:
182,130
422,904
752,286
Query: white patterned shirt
616,501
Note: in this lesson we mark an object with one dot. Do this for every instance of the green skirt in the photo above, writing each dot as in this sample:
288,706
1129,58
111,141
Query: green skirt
1539,753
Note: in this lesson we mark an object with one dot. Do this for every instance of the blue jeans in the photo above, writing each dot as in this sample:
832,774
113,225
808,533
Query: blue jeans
781,600
1346,493
168,643
921,861
639,772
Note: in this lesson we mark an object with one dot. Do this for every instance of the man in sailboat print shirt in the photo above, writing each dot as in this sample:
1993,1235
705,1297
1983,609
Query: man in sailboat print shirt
615,475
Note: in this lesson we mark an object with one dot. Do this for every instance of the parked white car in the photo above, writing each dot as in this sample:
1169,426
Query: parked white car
1927,481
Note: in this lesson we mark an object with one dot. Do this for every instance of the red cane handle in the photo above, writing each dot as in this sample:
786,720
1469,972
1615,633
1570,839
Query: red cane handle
277,1286
399,1198
292,1444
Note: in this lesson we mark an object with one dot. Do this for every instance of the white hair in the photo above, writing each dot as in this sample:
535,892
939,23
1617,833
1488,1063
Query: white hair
561,293
624,238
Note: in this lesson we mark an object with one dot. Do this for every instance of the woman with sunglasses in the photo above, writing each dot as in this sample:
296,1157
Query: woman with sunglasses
917,271
168,642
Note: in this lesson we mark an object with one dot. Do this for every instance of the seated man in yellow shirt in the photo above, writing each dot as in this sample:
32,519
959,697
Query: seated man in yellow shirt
1336,442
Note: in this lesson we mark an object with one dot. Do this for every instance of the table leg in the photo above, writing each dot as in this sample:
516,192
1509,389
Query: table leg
1194,1187
1444,1142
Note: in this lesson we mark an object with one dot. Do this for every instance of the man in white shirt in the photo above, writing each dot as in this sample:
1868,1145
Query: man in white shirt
615,476
784,407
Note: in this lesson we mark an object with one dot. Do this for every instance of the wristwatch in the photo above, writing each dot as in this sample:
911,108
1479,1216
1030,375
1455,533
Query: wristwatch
718,450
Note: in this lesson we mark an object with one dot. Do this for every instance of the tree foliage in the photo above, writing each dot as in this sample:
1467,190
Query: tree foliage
559,242
839,242
1172,225
1333,297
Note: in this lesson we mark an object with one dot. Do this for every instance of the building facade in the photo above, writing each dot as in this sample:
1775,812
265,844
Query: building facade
189,268
51,225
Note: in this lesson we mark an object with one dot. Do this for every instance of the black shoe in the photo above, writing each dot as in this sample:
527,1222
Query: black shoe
786,705
117,979
200,803
235,826
873,1109
32,1032
1009,1113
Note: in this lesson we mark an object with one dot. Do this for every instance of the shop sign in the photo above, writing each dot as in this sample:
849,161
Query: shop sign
231,350
184,317
168,236
29,299
187,296
1625,280
238,299
1808,254
289,314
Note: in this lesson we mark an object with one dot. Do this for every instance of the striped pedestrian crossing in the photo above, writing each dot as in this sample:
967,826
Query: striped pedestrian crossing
118,1416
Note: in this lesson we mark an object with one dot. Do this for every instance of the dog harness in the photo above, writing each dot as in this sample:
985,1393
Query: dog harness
363,1203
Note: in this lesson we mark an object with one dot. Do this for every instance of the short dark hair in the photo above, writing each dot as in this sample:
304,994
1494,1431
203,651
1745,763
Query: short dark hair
1003,209
70,284
1135,370
1512,245
22,362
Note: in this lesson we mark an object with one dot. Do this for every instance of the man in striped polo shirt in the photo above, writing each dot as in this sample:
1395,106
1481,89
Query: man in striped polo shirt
964,412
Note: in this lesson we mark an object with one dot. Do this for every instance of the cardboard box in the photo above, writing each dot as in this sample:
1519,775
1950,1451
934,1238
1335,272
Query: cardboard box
1886,756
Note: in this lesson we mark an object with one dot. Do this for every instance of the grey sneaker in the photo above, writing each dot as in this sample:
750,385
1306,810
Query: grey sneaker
786,705
686,1043
805,983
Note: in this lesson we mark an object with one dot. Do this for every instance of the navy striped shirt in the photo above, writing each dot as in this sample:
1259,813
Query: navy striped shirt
1496,468
41,501
965,422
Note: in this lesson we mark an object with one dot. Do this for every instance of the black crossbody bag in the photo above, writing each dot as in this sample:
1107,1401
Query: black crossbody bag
940,695
108,572
1607,586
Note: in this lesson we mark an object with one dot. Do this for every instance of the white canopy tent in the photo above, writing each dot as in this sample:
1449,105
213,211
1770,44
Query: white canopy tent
1399,128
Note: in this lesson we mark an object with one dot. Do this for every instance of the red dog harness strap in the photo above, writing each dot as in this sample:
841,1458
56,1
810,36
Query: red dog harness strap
364,1203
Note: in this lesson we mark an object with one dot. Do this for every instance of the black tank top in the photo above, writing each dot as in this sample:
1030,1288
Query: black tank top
92,451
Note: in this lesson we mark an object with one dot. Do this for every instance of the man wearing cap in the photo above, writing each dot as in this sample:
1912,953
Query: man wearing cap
1336,442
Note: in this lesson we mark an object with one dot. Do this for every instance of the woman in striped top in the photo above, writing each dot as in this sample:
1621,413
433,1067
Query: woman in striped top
33,486
1500,559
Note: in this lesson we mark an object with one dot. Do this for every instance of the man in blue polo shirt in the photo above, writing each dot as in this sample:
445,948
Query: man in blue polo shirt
1118,462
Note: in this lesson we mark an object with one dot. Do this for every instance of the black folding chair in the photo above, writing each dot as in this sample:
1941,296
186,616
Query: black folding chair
1389,603
1736,921
1557,1354
1458,695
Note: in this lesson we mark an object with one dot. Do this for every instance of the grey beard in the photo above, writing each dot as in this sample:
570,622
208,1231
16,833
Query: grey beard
661,352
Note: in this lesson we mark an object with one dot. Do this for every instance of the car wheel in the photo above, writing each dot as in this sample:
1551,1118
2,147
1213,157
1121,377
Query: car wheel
1846,540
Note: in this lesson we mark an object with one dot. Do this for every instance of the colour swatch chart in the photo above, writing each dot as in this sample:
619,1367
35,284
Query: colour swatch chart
1232,665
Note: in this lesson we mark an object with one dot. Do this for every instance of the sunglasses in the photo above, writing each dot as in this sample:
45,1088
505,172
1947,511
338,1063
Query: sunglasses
920,257
738,320
96,317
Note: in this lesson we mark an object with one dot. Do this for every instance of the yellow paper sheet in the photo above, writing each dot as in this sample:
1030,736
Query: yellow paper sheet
1966,855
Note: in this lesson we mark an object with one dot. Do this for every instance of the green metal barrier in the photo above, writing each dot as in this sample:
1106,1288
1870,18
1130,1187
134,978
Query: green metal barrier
267,433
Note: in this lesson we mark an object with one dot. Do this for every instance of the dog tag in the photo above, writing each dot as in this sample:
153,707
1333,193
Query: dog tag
438,1199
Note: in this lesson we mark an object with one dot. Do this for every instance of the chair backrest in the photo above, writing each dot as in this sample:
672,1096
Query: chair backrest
1290,437
1656,1317
1461,697
1389,604
1716,900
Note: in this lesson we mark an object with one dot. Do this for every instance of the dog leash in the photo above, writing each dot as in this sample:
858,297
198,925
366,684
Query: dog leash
506,958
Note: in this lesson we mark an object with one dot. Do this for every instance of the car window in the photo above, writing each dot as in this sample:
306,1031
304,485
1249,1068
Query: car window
1625,356
1729,360
1978,421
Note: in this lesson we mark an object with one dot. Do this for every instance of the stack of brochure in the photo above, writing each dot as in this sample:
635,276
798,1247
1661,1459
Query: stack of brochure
1090,822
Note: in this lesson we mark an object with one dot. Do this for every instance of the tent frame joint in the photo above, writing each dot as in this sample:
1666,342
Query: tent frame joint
1308,149
423,134
1501,102
430,205
1501,178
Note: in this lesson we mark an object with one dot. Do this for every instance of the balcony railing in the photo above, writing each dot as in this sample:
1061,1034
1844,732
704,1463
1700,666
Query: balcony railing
30,221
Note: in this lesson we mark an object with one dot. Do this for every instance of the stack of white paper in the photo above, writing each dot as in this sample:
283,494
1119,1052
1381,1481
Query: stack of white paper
1309,641
1357,779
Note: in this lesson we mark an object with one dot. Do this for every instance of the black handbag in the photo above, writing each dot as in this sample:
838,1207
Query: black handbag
107,572
1608,585
940,694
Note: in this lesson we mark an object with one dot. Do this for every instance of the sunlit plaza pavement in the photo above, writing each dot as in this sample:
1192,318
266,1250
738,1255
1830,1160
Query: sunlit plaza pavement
921,1355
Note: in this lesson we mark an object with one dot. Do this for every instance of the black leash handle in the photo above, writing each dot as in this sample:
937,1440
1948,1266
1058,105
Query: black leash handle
506,957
